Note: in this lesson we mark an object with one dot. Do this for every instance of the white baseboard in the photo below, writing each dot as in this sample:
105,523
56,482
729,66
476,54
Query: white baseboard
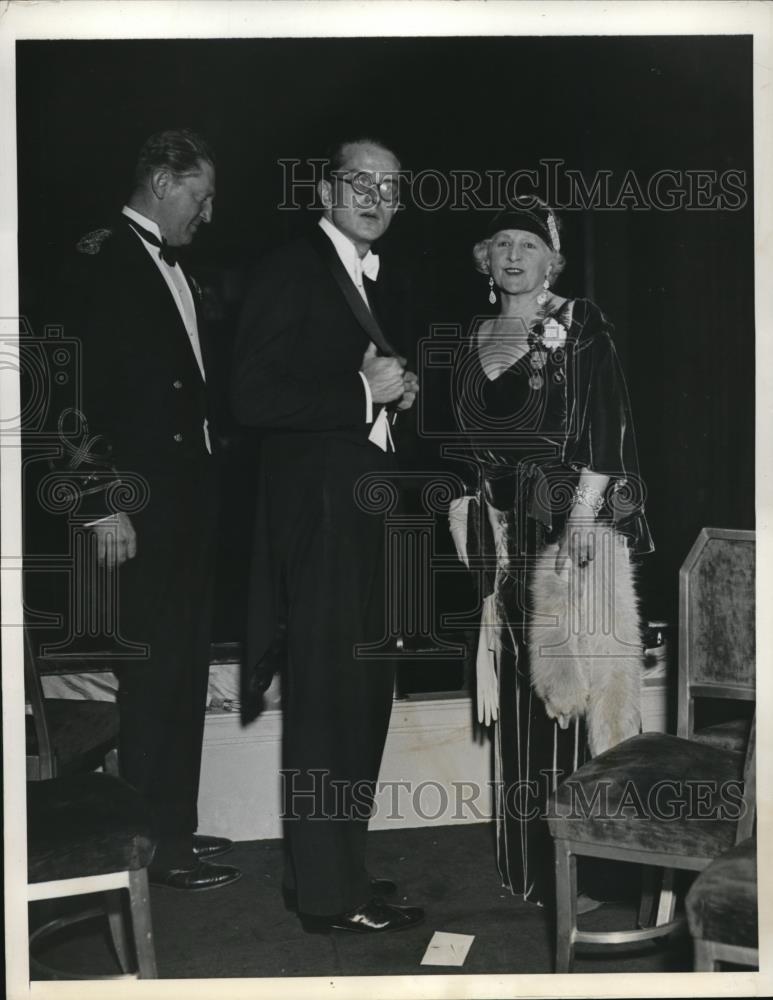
239,790
436,769
434,772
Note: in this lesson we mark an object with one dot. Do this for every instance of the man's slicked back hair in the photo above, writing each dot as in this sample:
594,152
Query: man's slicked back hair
179,150
335,153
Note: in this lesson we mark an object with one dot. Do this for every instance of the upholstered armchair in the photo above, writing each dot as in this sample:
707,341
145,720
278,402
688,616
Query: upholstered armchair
91,833
722,909
671,802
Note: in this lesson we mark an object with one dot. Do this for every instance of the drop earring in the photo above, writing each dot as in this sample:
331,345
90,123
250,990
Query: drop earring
543,295
492,297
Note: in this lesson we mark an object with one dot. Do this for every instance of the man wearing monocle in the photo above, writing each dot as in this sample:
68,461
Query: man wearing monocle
317,369
146,404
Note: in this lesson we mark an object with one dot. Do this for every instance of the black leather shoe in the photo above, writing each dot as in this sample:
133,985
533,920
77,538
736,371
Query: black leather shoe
372,918
205,847
378,886
203,875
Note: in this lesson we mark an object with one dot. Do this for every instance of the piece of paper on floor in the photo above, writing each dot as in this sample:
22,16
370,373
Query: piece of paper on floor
447,949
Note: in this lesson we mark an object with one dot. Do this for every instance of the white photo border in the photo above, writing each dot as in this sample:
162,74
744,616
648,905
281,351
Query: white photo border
285,18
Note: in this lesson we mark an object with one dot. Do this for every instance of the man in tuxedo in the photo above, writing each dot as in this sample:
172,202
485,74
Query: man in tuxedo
146,383
315,368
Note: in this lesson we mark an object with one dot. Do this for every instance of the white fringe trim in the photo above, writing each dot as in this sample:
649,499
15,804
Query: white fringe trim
585,641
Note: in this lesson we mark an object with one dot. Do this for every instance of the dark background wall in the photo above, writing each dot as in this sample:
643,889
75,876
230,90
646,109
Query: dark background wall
677,284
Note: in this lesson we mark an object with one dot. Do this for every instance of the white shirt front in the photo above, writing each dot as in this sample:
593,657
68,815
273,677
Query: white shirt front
180,289
356,266
175,279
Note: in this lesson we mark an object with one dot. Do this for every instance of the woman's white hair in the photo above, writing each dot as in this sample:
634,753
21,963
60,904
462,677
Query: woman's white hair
481,254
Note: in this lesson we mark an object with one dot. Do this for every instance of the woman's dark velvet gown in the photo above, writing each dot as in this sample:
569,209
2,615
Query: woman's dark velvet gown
554,411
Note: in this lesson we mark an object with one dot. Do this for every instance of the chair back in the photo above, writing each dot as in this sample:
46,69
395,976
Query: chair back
41,758
747,822
716,622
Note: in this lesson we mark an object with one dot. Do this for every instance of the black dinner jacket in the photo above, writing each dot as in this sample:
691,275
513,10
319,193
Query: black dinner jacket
141,389
299,349
297,357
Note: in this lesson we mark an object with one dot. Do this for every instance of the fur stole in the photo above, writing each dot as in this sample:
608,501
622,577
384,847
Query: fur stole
585,641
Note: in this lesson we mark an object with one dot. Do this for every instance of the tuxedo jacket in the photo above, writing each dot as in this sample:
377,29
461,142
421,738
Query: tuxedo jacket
296,377
142,392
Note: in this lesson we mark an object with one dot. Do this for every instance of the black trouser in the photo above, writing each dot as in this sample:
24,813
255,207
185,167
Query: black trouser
336,706
162,699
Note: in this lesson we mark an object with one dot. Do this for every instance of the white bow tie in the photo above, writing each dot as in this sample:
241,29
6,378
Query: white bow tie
370,265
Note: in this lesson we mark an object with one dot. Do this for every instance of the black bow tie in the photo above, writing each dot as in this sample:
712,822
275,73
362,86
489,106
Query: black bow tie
166,252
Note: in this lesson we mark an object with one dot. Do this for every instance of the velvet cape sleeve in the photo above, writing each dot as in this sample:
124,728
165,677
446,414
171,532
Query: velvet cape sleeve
600,432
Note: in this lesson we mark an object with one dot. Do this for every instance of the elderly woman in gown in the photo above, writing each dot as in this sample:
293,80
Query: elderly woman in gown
553,513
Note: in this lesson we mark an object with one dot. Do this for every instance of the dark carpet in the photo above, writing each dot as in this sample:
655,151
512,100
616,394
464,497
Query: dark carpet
244,929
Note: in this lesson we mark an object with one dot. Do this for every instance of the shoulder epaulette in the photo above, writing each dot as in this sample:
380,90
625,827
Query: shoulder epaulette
92,242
